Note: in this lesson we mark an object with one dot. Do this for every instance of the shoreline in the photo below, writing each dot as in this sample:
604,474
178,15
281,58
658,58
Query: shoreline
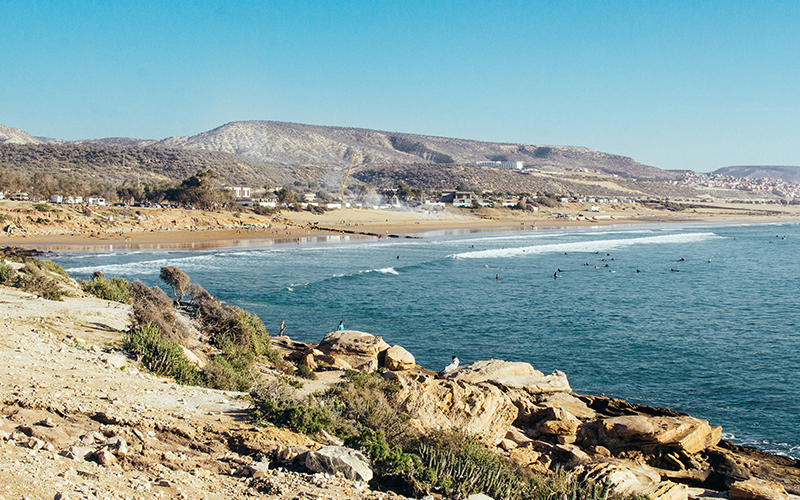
223,230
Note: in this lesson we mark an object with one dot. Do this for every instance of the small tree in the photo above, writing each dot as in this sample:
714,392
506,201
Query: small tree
175,278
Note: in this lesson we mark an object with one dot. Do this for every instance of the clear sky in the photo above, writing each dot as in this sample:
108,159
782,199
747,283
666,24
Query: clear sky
673,84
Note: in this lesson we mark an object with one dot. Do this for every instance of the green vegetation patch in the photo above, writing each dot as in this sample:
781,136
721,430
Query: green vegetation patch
114,289
160,355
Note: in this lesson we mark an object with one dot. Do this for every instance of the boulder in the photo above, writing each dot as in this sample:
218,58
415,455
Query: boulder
634,480
308,362
628,427
683,433
725,470
482,410
757,489
558,422
338,459
517,436
686,433
570,403
535,384
358,349
332,362
397,358
482,371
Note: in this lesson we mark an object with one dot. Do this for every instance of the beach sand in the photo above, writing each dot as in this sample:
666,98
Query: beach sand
112,228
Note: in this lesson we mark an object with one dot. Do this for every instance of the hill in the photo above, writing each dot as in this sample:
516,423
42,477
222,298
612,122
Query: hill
113,164
781,172
270,142
293,143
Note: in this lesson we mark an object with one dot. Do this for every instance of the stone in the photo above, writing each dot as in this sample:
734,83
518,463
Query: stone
482,371
601,450
79,453
535,384
689,434
524,455
757,489
508,444
570,403
118,446
309,362
397,358
628,426
333,362
518,436
338,459
574,453
725,471
482,410
48,422
359,349
558,422
257,470
104,457
35,443
479,496
634,480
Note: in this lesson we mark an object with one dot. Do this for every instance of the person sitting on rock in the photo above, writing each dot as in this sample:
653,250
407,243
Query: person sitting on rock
449,368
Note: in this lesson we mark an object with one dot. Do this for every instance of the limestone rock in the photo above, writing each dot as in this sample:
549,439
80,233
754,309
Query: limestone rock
482,410
686,433
628,426
358,349
683,433
333,362
507,444
757,489
535,384
570,403
397,358
104,457
517,436
632,480
338,459
258,470
308,362
725,470
482,371
558,422
193,358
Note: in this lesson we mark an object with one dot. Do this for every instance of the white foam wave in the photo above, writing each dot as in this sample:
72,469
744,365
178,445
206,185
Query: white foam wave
145,267
385,270
586,246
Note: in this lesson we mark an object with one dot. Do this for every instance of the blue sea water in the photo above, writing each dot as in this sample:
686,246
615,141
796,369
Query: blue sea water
709,325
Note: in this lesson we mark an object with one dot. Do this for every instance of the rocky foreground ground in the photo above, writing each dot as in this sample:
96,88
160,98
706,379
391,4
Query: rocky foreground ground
81,420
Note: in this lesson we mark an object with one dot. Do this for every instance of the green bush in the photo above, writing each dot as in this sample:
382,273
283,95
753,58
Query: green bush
114,289
7,275
304,371
160,355
272,403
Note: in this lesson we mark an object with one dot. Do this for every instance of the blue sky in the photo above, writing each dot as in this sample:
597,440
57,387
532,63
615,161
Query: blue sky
676,85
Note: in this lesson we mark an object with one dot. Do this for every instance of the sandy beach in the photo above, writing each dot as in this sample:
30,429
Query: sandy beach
121,228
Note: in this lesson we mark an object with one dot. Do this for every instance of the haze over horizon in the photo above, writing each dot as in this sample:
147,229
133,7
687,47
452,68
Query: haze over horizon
678,86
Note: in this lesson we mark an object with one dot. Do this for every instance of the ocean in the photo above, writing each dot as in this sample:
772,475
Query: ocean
703,319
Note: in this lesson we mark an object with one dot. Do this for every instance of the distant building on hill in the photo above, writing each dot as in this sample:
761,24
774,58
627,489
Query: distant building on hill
517,165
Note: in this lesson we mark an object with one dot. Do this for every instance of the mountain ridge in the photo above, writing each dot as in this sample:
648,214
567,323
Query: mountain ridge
286,143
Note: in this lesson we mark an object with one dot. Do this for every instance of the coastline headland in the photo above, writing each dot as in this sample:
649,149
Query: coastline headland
81,417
